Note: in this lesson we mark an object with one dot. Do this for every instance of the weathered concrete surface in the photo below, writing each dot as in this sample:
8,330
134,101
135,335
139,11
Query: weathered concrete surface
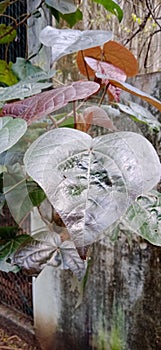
128,278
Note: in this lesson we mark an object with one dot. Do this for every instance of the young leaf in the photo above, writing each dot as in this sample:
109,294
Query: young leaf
91,182
99,117
140,114
105,71
67,41
7,34
112,53
131,89
93,116
112,7
106,68
11,130
47,102
63,6
144,218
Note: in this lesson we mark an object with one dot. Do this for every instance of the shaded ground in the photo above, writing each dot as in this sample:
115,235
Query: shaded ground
10,342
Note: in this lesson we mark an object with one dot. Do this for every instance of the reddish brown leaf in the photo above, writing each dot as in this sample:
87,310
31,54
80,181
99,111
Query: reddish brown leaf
120,57
45,103
84,69
113,53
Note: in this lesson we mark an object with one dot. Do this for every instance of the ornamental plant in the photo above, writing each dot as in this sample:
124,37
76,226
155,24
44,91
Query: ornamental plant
83,187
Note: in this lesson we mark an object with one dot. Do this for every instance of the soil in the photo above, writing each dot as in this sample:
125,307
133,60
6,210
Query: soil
13,342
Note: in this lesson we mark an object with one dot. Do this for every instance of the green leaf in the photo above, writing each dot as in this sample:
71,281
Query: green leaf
7,34
7,250
23,68
140,114
72,18
16,192
36,193
8,232
21,194
3,6
63,6
7,76
54,13
91,182
112,7
11,130
144,218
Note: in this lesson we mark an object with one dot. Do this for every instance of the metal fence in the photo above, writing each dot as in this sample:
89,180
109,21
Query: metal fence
14,15
16,292
15,288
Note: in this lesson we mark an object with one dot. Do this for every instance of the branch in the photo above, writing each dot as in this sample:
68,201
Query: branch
140,29
148,48
152,13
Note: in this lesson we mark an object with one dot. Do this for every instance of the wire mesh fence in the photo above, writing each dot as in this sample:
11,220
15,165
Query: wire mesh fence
15,288
14,16
16,292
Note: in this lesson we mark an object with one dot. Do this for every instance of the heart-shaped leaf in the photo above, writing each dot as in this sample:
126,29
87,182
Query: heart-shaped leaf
112,53
91,182
46,248
66,41
144,218
63,6
47,102
11,130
